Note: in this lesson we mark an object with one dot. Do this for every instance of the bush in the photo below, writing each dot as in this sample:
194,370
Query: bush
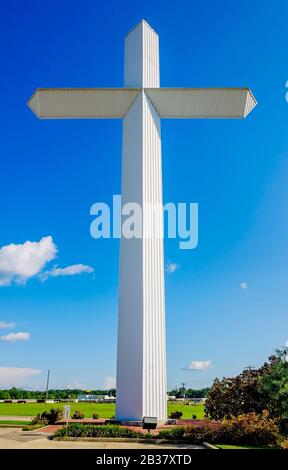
32,427
176,414
52,416
48,417
38,420
284,444
208,432
171,434
249,429
95,416
78,415
283,425
92,430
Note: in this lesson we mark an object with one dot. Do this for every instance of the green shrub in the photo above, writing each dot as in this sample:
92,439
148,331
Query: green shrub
32,427
78,415
284,444
204,433
283,424
249,429
95,416
47,417
92,430
52,416
176,414
172,433
38,420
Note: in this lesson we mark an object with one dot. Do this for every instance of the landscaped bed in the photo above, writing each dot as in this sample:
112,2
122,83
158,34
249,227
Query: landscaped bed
250,429
246,431
91,430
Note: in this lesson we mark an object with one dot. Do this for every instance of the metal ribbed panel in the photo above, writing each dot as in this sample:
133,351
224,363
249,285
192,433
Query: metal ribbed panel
151,75
250,103
142,57
82,103
141,358
130,317
201,102
133,58
154,348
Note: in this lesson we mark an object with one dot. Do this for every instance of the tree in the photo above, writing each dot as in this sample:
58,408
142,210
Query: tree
274,387
189,393
254,390
199,393
55,394
4,395
234,396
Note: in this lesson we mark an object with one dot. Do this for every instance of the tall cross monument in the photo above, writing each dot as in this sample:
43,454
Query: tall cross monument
141,356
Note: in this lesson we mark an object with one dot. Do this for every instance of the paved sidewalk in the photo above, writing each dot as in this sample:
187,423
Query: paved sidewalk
15,418
11,438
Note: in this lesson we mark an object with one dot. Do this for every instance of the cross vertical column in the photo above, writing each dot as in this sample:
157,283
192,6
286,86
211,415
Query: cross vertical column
141,358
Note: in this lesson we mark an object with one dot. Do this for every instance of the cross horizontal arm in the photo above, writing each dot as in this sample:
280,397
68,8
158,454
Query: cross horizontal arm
90,103
201,102
82,102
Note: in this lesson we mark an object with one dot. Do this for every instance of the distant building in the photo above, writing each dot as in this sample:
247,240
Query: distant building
198,400
171,397
96,398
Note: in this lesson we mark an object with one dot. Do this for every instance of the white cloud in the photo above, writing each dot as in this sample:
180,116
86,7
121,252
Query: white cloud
171,267
6,325
199,365
244,285
16,376
13,337
68,271
110,382
20,262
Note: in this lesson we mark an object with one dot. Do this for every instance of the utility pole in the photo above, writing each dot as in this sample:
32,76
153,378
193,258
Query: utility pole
47,385
183,390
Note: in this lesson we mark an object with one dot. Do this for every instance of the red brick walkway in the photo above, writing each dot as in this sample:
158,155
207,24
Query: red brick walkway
85,420
50,429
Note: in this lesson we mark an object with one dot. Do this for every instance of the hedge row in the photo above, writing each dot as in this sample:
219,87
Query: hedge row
92,430
249,429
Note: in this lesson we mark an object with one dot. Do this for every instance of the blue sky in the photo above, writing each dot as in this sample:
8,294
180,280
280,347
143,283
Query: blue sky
53,171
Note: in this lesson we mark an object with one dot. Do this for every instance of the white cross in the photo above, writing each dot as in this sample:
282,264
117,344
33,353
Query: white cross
141,356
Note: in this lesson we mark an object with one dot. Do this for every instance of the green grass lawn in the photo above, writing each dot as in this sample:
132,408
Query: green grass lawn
187,410
104,410
18,423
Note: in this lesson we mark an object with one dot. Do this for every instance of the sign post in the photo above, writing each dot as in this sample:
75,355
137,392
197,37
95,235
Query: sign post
67,413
